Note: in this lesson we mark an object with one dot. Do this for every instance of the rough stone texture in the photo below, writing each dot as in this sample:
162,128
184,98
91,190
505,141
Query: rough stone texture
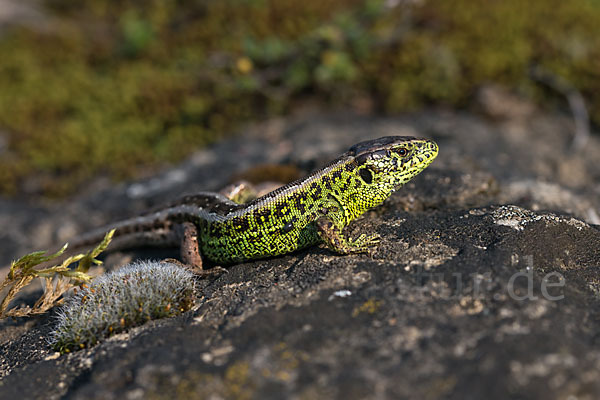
475,292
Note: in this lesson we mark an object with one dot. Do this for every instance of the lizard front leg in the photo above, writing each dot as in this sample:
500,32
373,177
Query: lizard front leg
334,238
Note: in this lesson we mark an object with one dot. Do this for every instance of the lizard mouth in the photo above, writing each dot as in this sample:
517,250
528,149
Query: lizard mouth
425,152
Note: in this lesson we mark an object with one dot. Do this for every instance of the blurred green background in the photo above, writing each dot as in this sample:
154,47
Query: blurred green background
115,88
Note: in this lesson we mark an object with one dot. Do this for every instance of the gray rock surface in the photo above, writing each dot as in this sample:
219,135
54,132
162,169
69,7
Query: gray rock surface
486,283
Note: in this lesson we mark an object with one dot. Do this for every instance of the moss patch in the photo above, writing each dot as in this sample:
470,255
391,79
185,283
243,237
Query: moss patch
117,87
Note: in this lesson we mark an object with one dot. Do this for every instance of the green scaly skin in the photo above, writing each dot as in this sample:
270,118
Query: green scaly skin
311,210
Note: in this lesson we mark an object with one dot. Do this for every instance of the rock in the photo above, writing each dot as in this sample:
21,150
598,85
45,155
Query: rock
499,103
16,13
474,292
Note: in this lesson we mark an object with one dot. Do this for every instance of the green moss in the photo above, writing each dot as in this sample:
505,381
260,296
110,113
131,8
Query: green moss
114,87
370,306
237,381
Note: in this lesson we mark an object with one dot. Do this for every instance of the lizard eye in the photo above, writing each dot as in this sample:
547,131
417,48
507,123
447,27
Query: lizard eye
402,152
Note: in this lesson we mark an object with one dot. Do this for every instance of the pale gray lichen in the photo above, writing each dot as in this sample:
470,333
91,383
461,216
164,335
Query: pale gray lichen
120,300
517,218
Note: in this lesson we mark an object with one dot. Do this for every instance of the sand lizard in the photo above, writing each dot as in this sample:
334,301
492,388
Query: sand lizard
308,211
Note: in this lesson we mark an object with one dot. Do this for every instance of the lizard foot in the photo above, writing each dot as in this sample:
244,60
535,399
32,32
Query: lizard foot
335,240
367,243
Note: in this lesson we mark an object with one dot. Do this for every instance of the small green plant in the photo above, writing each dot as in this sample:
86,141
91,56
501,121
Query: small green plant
58,278
119,300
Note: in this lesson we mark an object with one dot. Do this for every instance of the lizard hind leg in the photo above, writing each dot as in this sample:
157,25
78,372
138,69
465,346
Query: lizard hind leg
190,252
240,192
243,192
333,237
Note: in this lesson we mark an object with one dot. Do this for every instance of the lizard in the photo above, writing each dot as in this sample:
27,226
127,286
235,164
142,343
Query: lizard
305,212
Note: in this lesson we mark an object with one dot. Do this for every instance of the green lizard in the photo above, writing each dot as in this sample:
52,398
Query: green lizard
308,211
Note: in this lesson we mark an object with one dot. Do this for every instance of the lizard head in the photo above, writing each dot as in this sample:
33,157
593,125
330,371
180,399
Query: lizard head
391,161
